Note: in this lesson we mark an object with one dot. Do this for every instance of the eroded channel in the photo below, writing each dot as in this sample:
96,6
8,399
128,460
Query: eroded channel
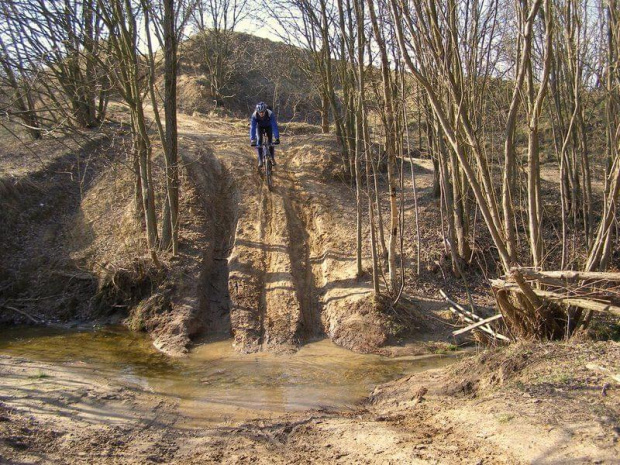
215,383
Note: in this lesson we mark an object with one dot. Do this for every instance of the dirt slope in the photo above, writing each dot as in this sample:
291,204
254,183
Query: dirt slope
42,186
272,269
71,248
291,268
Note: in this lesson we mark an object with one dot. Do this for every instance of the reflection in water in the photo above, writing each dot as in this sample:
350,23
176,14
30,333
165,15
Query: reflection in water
215,382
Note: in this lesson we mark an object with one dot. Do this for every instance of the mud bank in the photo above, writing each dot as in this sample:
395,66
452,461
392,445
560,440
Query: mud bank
290,253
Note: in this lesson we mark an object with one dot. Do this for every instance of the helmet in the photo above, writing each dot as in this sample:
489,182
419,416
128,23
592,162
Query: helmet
261,107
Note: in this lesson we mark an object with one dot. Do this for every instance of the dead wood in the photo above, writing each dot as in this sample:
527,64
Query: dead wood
570,276
477,324
471,317
576,301
21,312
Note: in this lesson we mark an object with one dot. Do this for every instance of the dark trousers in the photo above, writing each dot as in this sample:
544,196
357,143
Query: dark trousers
259,150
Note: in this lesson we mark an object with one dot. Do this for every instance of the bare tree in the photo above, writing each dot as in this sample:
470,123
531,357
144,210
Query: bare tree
317,26
600,251
121,18
390,142
17,92
215,21
59,42
167,24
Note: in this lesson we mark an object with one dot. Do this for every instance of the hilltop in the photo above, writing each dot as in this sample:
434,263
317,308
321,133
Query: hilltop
255,69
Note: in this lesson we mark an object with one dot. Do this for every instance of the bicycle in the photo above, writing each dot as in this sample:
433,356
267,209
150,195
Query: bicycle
267,168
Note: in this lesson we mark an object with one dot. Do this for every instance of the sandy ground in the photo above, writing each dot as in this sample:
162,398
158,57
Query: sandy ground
508,407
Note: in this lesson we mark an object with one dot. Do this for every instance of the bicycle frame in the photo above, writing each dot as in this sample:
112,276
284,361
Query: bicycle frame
267,160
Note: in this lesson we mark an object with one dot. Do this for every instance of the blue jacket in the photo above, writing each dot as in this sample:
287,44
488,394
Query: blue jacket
260,123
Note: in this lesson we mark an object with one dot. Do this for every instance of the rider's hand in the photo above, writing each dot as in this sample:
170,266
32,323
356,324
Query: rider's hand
276,141
253,142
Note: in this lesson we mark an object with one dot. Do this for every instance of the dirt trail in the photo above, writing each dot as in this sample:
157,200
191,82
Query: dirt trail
69,414
81,416
327,205
291,268
281,308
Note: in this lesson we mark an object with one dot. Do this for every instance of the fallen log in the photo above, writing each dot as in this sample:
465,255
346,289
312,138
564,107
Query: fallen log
485,327
571,276
457,306
471,317
477,324
21,312
580,302
74,275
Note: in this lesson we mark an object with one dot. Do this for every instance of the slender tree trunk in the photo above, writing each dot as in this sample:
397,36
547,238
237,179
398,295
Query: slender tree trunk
509,187
534,196
371,214
170,110
458,212
359,125
412,167
384,250
148,195
22,100
390,147
90,72
324,113
137,200
448,205
433,149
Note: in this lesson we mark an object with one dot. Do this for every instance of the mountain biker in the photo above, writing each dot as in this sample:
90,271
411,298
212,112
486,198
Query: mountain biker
263,121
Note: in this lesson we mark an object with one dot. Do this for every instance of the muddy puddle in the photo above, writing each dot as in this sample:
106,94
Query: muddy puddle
216,384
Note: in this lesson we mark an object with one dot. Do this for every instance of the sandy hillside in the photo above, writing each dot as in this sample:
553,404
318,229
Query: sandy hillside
290,252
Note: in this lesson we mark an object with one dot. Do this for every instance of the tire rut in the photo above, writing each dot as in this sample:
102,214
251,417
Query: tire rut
274,302
277,308
282,311
218,194
246,279
219,304
263,230
300,251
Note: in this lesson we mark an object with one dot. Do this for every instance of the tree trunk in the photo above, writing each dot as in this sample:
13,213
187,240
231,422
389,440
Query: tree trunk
324,113
170,110
533,176
390,146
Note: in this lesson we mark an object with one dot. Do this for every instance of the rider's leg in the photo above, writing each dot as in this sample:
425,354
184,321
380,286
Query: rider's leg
259,150
271,147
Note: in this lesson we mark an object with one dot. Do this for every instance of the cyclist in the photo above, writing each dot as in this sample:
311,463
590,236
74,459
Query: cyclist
263,121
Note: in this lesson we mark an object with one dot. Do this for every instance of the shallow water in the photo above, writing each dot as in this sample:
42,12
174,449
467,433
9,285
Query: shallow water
215,383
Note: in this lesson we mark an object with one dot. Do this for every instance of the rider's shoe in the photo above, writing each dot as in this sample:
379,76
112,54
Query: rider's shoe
273,161
260,164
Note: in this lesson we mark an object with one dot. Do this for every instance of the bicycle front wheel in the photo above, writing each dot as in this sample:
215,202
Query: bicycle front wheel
268,172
